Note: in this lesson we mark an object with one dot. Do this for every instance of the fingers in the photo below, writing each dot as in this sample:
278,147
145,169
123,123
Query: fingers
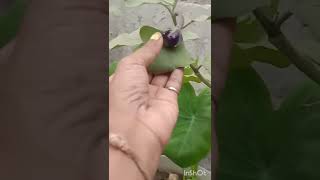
111,77
175,81
150,76
160,80
146,55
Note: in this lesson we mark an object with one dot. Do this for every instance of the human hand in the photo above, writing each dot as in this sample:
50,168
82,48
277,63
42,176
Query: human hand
137,97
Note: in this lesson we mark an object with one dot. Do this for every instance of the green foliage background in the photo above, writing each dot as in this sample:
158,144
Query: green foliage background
258,141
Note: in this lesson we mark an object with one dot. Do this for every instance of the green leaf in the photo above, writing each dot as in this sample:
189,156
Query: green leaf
146,32
191,138
10,22
135,3
259,143
243,57
239,59
205,69
188,71
249,30
168,59
267,55
243,110
187,79
234,8
308,11
296,138
125,39
113,67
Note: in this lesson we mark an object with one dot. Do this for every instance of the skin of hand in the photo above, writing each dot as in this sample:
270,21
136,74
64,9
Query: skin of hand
141,108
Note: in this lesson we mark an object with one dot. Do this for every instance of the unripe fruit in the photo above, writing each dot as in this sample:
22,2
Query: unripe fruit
172,38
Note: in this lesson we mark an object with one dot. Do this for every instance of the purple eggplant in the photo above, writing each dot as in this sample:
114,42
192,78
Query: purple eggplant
172,38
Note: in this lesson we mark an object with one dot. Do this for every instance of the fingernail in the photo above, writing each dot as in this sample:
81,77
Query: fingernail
156,36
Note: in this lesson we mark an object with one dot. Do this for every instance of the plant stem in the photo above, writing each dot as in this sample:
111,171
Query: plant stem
283,19
200,76
278,39
192,21
174,5
172,14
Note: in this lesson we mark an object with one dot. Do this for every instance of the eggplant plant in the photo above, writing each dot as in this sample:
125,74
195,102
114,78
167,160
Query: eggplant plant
191,138
258,138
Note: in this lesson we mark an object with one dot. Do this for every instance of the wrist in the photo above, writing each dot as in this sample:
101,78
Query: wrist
141,140
121,166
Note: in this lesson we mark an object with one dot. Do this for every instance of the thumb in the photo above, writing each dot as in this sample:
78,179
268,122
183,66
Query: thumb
146,54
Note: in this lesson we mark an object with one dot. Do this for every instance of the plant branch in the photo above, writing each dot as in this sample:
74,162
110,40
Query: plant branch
200,76
172,14
174,5
283,18
278,39
192,21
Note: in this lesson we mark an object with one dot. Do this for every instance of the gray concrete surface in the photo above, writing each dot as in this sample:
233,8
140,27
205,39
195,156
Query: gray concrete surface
157,16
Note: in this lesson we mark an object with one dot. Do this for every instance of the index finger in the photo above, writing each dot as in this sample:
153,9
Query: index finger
146,54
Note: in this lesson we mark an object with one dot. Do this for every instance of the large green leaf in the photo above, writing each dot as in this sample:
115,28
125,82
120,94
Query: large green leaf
191,138
243,57
244,105
135,3
10,22
234,8
308,11
168,59
257,143
295,138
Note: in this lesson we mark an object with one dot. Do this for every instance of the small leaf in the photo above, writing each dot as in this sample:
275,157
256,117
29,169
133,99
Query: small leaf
135,3
146,32
168,59
125,39
188,71
249,30
187,79
267,55
232,8
113,67
191,138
